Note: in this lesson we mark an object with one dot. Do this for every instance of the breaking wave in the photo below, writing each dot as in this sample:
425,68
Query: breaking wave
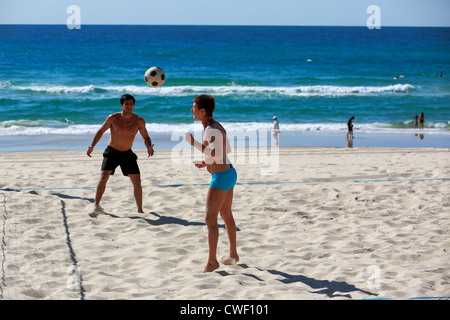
45,127
174,91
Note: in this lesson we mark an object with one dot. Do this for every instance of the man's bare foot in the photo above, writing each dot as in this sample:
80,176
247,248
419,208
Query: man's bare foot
96,211
211,266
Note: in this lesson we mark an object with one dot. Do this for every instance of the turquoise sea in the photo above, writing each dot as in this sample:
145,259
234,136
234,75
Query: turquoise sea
57,85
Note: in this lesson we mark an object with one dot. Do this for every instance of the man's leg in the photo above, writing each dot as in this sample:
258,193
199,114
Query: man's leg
230,225
214,201
136,180
101,186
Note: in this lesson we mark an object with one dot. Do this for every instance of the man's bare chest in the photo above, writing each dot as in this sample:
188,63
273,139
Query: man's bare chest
120,127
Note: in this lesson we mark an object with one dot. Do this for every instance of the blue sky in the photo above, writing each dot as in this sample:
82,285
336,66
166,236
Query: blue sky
228,12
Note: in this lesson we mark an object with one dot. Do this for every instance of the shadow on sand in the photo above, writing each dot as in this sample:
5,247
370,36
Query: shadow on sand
324,287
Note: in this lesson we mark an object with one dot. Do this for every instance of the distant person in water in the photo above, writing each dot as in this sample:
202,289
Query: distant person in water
421,120
416,121
350,127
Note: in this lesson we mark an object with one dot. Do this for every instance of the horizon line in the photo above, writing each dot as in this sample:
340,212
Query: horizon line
222,25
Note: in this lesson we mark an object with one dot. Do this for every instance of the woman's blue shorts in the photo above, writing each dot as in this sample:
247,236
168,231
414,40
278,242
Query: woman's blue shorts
224,180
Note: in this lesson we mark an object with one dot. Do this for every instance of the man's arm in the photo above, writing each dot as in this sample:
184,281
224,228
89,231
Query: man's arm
202,147
146,137
105,126
211,145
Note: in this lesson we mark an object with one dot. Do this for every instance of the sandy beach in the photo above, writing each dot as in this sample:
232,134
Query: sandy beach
313,223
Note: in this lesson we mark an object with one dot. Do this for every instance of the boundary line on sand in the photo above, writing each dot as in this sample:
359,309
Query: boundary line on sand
3,245
238,183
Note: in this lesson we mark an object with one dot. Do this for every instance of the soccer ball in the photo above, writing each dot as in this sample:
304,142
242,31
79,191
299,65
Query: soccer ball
155,77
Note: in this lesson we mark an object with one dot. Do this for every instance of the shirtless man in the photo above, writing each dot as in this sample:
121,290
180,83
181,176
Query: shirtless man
124,126
215,147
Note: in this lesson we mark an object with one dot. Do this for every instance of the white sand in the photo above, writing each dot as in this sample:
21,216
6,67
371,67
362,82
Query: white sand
328,238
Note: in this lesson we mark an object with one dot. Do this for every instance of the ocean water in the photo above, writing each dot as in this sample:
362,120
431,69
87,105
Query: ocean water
58,81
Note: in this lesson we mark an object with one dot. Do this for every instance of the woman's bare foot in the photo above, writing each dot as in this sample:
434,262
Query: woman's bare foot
96,211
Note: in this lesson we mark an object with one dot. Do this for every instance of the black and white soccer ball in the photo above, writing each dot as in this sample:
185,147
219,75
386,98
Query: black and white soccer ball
155,77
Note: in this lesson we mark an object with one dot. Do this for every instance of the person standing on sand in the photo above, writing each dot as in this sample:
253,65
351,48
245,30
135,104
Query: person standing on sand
276,129
123,126
215,147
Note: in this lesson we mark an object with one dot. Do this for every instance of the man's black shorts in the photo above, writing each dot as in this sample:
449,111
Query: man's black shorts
127,160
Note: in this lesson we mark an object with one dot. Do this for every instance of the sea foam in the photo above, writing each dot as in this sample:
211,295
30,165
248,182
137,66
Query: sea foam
41,127
174,91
